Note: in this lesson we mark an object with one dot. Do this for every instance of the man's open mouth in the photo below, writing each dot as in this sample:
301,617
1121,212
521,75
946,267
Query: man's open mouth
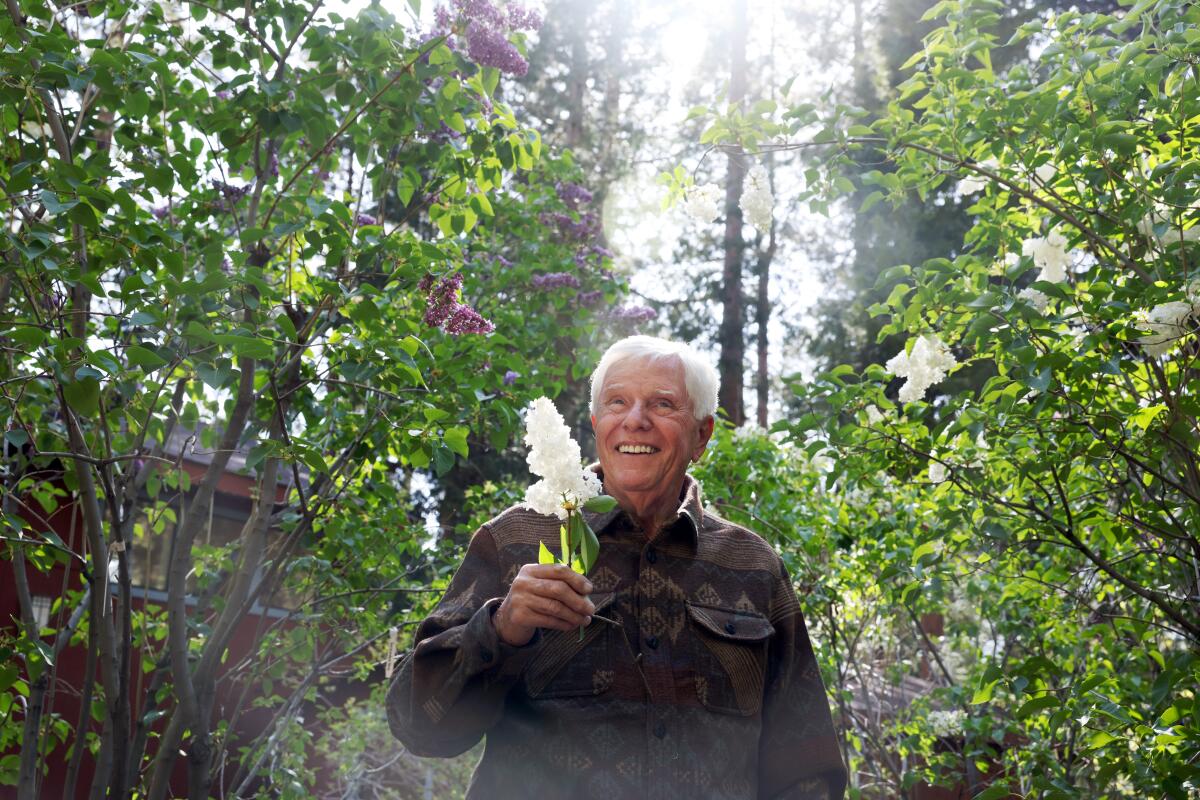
636,449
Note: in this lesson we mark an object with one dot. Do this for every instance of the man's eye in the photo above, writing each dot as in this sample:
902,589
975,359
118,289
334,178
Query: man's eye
616,401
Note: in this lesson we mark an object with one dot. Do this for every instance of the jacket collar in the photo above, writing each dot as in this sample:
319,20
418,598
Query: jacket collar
690,509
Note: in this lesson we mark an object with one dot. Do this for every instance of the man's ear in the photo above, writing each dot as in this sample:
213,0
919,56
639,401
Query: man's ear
593,419
703,435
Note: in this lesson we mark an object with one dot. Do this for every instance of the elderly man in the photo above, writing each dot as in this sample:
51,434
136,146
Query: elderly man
694,677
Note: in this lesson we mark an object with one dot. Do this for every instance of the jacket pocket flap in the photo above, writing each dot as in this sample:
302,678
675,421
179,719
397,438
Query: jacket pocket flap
740,626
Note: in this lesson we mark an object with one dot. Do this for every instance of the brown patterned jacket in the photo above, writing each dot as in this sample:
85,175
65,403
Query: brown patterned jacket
705,687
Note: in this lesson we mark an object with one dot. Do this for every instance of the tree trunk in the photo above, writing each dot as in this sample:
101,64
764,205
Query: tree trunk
763,317
577,76
732,341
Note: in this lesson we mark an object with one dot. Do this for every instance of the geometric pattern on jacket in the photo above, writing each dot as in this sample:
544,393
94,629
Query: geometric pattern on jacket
704,685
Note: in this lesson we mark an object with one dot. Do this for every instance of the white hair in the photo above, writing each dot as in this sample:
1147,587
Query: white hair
699,377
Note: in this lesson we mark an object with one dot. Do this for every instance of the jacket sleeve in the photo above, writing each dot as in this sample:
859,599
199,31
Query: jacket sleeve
799,754
450,689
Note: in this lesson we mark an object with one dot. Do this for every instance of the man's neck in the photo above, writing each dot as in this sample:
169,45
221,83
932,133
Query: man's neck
651,512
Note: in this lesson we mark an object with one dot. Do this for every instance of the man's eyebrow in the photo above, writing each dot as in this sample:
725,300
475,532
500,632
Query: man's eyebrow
666,392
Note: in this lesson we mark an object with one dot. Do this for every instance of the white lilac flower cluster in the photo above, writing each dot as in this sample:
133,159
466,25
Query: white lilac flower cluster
976,182
1050,254
926,365
702,203
946,723
757,202
1159,214
937,469
939,466
554,456
1170,322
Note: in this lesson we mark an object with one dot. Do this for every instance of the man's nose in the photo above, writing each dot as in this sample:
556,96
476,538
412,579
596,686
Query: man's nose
636,418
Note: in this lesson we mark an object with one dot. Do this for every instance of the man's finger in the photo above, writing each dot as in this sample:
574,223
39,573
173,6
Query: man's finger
555,608
563,573
561,591
553,623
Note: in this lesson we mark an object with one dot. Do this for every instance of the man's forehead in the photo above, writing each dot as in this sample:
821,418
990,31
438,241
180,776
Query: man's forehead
660,376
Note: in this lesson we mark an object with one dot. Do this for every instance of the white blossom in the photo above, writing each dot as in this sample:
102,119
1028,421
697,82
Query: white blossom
946,723
757,202
1037,299
1050,254
937,470
1046,172
874,415
702,203
1001,266
554,456
974,182
1169,323
1160,214
749,430
981,447
926,365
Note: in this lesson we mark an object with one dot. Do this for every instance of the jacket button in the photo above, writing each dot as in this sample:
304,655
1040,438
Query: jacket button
730,627
660,730
652,642
651,555
486,655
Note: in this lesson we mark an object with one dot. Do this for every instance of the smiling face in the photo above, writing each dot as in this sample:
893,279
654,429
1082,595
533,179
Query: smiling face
646,435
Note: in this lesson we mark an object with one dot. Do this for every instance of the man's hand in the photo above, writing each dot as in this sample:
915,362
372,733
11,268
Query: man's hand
543,596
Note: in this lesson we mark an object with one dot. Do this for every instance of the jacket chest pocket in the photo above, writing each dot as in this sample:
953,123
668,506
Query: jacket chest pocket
729,652
566,666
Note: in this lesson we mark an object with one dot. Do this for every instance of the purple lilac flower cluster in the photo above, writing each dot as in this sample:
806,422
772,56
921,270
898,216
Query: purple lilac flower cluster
510,377
634,314
444,310
587,227
487,25
554,280
160,212
489,47
589,299
572,194
230,192
465,319
364,219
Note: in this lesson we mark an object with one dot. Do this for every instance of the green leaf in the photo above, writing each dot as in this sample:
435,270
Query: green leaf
144,358
562,543
924,549
8,676
1145,416
16,437
591,547
83,395
29,336
1037,704
54,205
600,504
544,554
574,531
456,439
